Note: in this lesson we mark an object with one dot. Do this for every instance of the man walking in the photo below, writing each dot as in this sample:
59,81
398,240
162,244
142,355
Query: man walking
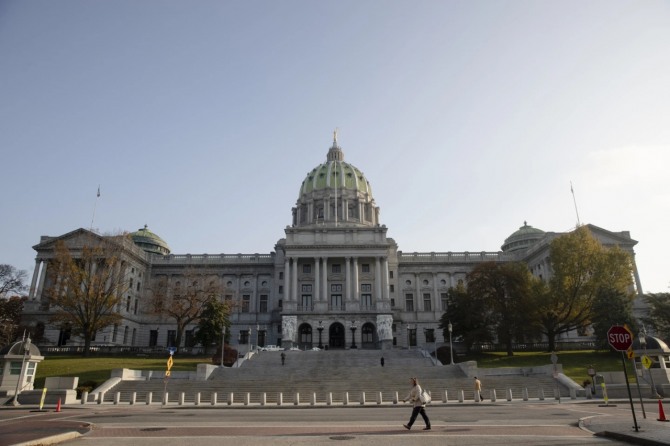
478,390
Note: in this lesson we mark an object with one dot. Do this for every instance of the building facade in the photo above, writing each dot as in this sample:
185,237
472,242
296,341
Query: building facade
335,280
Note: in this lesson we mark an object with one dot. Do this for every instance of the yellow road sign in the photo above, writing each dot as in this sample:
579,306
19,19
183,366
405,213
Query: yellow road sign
647,361
630,353
169,363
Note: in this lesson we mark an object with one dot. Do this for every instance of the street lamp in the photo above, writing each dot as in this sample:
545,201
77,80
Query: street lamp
258,328
353,334
223,342
409,339
320,328
643,342
451,346
19,382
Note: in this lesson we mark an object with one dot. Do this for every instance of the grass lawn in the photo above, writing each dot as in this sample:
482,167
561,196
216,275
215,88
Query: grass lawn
575,363
97,369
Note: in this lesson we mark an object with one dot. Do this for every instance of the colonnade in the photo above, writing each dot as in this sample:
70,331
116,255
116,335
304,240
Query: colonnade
352,282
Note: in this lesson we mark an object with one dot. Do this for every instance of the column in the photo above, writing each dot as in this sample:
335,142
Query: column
357,286
385,272
317,280
378,280
347,279
310,212
324,281
436,296
36,272
294,284
287,279
417,299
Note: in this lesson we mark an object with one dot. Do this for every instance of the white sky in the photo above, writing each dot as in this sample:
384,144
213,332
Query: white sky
201,119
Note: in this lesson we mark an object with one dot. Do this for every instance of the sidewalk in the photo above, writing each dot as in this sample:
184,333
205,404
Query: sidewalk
617,423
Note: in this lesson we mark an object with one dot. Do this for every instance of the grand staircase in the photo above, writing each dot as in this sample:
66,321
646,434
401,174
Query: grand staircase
340,373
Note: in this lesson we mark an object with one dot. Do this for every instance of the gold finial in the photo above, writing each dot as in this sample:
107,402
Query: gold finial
335,136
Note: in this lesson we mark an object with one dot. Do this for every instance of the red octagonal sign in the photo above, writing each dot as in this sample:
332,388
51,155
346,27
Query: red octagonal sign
619,338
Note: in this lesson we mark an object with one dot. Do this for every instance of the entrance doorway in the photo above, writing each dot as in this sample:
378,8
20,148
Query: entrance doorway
336,336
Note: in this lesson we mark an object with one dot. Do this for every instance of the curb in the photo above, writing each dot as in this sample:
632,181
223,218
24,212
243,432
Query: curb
54,439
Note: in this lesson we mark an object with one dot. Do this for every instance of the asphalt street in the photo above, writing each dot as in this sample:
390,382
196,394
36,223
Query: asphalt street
546,423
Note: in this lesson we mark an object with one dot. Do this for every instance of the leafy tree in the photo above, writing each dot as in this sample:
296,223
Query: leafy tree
11,281
88,286
214,317
10,317
659,314
468,316
505,291
183,300
581,266
611,307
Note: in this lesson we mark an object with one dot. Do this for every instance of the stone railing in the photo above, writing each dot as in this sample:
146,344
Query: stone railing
454,257
214,259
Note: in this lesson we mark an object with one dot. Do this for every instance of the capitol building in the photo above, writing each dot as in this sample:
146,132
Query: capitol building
335,280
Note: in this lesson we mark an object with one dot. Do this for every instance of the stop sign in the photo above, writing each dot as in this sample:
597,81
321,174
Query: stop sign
619,338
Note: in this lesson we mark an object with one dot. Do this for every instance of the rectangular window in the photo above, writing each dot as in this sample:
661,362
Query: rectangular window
281,275
366,287
366,302
307,288
15,367
246,301
337,268
336,302
365,267
307,268
390,274
171,338
244,336
443,298
189,338
430,335
281,289
306,302
138,286
426,302
391,288
392,303
336,287
263,308
128,304
280,303
153,338
409,302
136,304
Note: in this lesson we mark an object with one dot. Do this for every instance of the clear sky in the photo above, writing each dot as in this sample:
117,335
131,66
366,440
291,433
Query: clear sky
202,118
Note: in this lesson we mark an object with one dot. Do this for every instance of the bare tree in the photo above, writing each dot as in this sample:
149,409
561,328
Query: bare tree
183,298
11,281
88,287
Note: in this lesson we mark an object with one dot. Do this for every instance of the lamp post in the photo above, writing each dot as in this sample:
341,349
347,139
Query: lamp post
258,328
409,338
223,342
19,382
451,346
353,334
643,342
320,328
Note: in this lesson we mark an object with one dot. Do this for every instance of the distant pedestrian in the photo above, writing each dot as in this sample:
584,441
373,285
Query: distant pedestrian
283,358
382,361
478,390
414,397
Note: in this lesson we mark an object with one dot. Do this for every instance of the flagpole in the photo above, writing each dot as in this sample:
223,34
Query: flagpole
574,200
95,205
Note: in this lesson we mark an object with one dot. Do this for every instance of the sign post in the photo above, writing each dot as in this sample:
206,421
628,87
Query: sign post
620,338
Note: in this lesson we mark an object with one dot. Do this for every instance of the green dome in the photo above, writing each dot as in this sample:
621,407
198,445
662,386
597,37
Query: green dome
523,238
150,242
335,173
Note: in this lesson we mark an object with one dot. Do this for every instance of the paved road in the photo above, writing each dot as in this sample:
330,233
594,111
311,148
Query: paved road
494,424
